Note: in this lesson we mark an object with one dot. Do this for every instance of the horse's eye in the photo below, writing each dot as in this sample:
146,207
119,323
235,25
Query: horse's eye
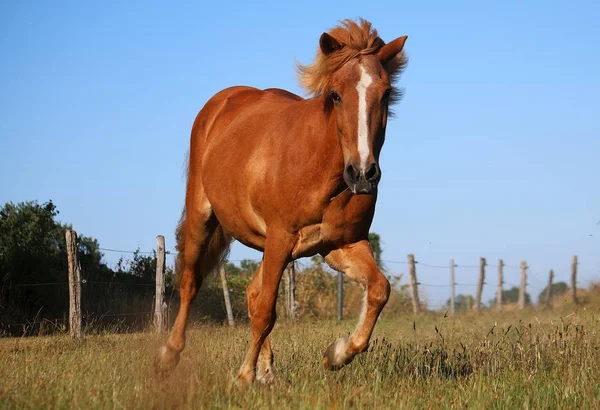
335,97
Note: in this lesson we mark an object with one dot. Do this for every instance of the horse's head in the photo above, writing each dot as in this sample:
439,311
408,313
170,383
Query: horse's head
359,95
354,72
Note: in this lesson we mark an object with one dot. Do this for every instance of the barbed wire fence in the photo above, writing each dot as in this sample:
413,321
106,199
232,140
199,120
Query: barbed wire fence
158,312
530,281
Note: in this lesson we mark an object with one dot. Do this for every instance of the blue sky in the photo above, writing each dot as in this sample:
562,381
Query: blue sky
494,151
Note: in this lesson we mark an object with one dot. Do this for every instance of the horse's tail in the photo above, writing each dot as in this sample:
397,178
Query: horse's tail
214,252
180,243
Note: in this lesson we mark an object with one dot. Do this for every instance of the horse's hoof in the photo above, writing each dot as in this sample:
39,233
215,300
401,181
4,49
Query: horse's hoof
166,360
266,378
335,356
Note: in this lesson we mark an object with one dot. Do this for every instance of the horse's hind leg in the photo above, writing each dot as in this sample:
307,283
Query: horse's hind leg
356,261
202,244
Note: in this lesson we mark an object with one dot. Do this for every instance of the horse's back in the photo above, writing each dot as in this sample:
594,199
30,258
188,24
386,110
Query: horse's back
247,96
234,106
284,93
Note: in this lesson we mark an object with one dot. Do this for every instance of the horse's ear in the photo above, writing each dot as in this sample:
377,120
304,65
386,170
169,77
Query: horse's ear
391,49
328,44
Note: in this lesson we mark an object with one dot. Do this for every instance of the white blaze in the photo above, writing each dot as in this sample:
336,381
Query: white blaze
363,128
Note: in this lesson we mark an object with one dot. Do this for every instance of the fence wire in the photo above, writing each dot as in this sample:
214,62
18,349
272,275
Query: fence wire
531,275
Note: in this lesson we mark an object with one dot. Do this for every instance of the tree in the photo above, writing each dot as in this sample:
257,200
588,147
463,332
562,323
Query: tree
462,303
375,241
30,241
558,289
143,266
32,250
33,269
511,296
89,251
90,259
231,269
249,266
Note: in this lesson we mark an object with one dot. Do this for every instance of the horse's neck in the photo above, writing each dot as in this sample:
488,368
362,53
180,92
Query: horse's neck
324,144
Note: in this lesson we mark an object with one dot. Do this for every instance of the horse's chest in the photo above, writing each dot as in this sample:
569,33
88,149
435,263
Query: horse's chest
342,223
346,225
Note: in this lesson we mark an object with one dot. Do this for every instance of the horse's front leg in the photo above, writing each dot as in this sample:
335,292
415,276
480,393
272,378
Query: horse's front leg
264,367
357,262
262,298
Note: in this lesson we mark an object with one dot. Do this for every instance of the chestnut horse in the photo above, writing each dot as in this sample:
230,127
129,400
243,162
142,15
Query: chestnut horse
291,177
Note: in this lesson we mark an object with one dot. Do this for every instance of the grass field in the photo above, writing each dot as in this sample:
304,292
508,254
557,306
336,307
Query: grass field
515,360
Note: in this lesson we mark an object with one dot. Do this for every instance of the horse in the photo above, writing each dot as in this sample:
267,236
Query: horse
291,177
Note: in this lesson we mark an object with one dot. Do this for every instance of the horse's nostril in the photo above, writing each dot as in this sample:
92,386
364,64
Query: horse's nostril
372,172
352,173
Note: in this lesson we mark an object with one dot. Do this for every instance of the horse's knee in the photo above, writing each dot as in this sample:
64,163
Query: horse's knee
251,292
262,312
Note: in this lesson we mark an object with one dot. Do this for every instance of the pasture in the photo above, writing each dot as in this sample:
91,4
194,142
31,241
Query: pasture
530,359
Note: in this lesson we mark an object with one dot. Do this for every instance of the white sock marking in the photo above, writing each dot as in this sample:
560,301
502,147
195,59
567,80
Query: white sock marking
363,128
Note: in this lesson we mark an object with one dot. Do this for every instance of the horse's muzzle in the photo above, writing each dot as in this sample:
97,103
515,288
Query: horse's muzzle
361,182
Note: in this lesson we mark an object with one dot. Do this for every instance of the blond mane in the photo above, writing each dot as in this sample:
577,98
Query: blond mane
357,39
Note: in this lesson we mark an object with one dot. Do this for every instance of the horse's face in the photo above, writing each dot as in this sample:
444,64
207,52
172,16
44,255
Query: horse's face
359,97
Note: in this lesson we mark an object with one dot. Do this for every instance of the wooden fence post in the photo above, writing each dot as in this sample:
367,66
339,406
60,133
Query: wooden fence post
226,296
159,294
480,284
523,284
340,295
287,278
574,279
412,271
290,290
500,283
452,287
294,302
74,284
549,289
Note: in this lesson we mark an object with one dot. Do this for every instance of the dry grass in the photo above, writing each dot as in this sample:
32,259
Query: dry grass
514,360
